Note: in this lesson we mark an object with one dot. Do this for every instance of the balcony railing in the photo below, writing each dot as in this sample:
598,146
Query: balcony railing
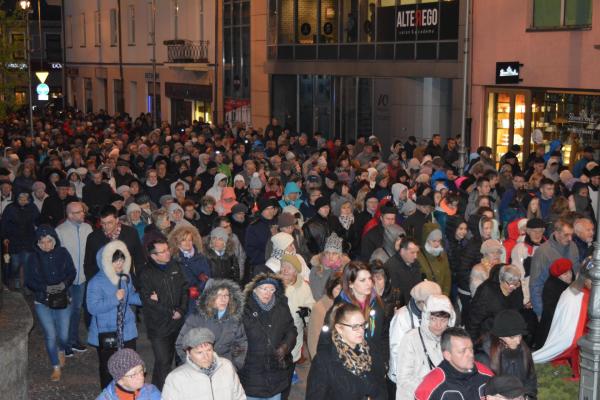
186,51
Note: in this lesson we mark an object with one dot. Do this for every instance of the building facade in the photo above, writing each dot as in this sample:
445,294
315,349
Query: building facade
346,67
535,74
111,45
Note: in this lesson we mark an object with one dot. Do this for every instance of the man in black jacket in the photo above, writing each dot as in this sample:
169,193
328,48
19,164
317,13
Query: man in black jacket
413,225
54,208
404,270
164,297
96,193
112,229
318,228
374,238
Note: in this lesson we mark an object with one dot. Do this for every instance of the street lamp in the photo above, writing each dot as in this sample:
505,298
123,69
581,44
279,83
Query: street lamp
25,6
589,384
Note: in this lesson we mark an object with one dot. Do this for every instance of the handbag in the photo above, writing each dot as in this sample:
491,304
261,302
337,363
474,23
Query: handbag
110,340
58,301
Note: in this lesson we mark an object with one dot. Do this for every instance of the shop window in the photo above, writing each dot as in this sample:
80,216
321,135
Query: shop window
286,31
368,23
307,21
561,13
329,22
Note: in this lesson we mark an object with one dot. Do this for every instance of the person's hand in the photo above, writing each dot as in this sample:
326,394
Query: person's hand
120,294
203,277
528,306
176,315
154,296
59,287
281,352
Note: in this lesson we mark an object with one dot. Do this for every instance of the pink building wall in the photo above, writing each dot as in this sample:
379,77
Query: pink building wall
565,59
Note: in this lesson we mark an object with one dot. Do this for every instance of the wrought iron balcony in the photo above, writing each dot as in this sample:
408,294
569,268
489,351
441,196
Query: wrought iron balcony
182,51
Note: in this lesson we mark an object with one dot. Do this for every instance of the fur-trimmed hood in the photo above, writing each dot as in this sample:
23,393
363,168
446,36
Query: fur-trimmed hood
104,259
253,283
236,299
179,229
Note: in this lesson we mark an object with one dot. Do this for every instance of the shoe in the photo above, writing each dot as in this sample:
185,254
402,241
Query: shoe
55,377
69,352
295,378
61,359
79,348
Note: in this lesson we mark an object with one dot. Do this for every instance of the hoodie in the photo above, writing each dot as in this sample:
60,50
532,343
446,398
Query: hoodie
291,187
512,237
216,191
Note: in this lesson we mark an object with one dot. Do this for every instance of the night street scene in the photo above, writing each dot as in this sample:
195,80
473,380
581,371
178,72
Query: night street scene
300,199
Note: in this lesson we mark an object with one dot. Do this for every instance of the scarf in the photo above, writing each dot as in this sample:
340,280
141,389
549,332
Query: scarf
356,361
346,220
265,307
210,370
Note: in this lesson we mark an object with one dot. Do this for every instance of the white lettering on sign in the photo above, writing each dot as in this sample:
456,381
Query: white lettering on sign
417,18
56,65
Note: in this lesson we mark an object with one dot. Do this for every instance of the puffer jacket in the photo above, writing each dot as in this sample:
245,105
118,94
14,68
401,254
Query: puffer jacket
18,226
188,381
101,300
412,363
262,375
147,392
171,288
406,318
231,342
48,268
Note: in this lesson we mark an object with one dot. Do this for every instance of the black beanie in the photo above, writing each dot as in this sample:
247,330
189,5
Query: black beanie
535,223
321,202
509,323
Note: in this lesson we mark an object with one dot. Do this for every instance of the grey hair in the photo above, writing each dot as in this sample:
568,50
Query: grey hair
509,273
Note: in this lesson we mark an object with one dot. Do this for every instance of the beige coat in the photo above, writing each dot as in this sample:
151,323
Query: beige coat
188,382
315,323
298,295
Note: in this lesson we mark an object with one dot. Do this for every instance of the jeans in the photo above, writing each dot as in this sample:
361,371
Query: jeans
164,352
103,356
18,260
55,324
77,293
276,397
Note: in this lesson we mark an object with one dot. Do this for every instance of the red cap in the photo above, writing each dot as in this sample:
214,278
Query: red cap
560,266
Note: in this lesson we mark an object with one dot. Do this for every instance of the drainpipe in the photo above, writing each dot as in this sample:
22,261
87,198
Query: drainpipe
122,94
216,63
463,129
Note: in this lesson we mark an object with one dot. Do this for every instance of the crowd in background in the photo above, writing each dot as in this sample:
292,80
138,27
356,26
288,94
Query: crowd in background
244,252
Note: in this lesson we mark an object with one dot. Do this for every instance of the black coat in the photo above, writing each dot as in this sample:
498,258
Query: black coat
54,209
96,196
328,379
553,289
413,225
350,236
316,230
262,375
171,288
97,239
471,255
402,277
223,267
489,301
371,242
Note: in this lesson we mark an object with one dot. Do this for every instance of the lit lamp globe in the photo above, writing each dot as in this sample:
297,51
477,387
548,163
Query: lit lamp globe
24,4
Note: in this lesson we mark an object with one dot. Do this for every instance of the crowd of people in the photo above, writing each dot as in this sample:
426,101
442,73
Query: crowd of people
244,252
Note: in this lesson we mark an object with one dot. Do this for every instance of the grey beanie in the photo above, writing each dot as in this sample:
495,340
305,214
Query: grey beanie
133,207
123,361
198,336
219,233
334,243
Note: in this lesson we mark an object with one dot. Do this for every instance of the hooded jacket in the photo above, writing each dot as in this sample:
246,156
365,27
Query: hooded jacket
388,247
215,191
412,363
436,268
18,226
512,238
231,342
101,297
291,187
472,254
188,381
48,268
262,375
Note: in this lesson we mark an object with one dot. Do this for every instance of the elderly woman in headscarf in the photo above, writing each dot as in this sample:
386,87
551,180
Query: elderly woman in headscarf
176,215
133,218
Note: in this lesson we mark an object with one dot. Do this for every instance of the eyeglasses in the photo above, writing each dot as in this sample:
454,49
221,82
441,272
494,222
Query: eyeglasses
357,327
136,373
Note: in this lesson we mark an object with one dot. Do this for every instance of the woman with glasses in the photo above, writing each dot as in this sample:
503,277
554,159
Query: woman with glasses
128,371
110,295
343,367
219,309
269,326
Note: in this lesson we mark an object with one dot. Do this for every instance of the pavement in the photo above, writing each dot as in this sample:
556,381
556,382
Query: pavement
80,379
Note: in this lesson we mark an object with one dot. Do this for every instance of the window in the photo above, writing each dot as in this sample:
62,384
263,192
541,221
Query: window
131,24
150,21
118,95
20,96
97,29
82,29
18,45
53,47
236,49
69,31
562,13
113,27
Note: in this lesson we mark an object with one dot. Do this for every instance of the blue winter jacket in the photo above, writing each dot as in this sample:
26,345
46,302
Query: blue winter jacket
101,296
147,392
192,268
48,267
291,187
258,233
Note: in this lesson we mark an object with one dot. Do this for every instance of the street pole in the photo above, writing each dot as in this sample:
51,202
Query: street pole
28,50
463,127
589,345
154,116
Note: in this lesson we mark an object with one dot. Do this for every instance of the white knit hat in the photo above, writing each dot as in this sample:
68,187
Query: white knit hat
282,240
